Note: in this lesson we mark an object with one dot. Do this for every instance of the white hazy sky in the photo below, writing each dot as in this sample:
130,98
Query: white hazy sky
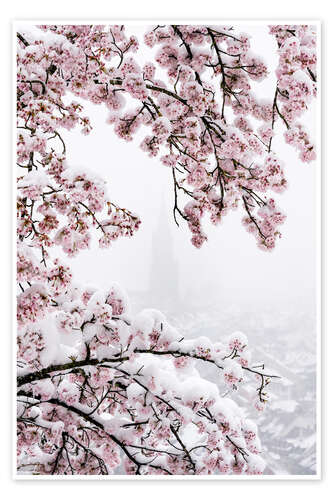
229,265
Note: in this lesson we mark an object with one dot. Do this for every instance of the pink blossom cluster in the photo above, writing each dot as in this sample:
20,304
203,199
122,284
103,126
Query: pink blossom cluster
264,223
32,304
59,277
135,86
189,129
297,80
193,212
127,393
30,344
28,267
102,391
299,138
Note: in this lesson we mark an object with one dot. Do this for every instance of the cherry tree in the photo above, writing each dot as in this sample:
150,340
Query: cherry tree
100,390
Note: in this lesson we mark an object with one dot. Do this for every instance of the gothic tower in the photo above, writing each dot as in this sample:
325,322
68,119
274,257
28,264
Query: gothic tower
164,278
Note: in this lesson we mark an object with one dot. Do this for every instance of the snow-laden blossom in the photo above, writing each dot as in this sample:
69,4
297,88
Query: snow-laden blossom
100,387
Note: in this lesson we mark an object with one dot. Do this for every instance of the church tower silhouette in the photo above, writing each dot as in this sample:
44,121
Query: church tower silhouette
164,273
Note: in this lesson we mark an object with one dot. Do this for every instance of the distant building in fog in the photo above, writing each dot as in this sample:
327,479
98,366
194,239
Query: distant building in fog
163,291
164,278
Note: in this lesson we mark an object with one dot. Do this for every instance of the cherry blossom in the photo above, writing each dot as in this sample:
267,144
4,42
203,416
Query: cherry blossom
95,382
100,390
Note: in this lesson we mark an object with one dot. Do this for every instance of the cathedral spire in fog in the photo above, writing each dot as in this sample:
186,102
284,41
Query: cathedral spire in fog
164,282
